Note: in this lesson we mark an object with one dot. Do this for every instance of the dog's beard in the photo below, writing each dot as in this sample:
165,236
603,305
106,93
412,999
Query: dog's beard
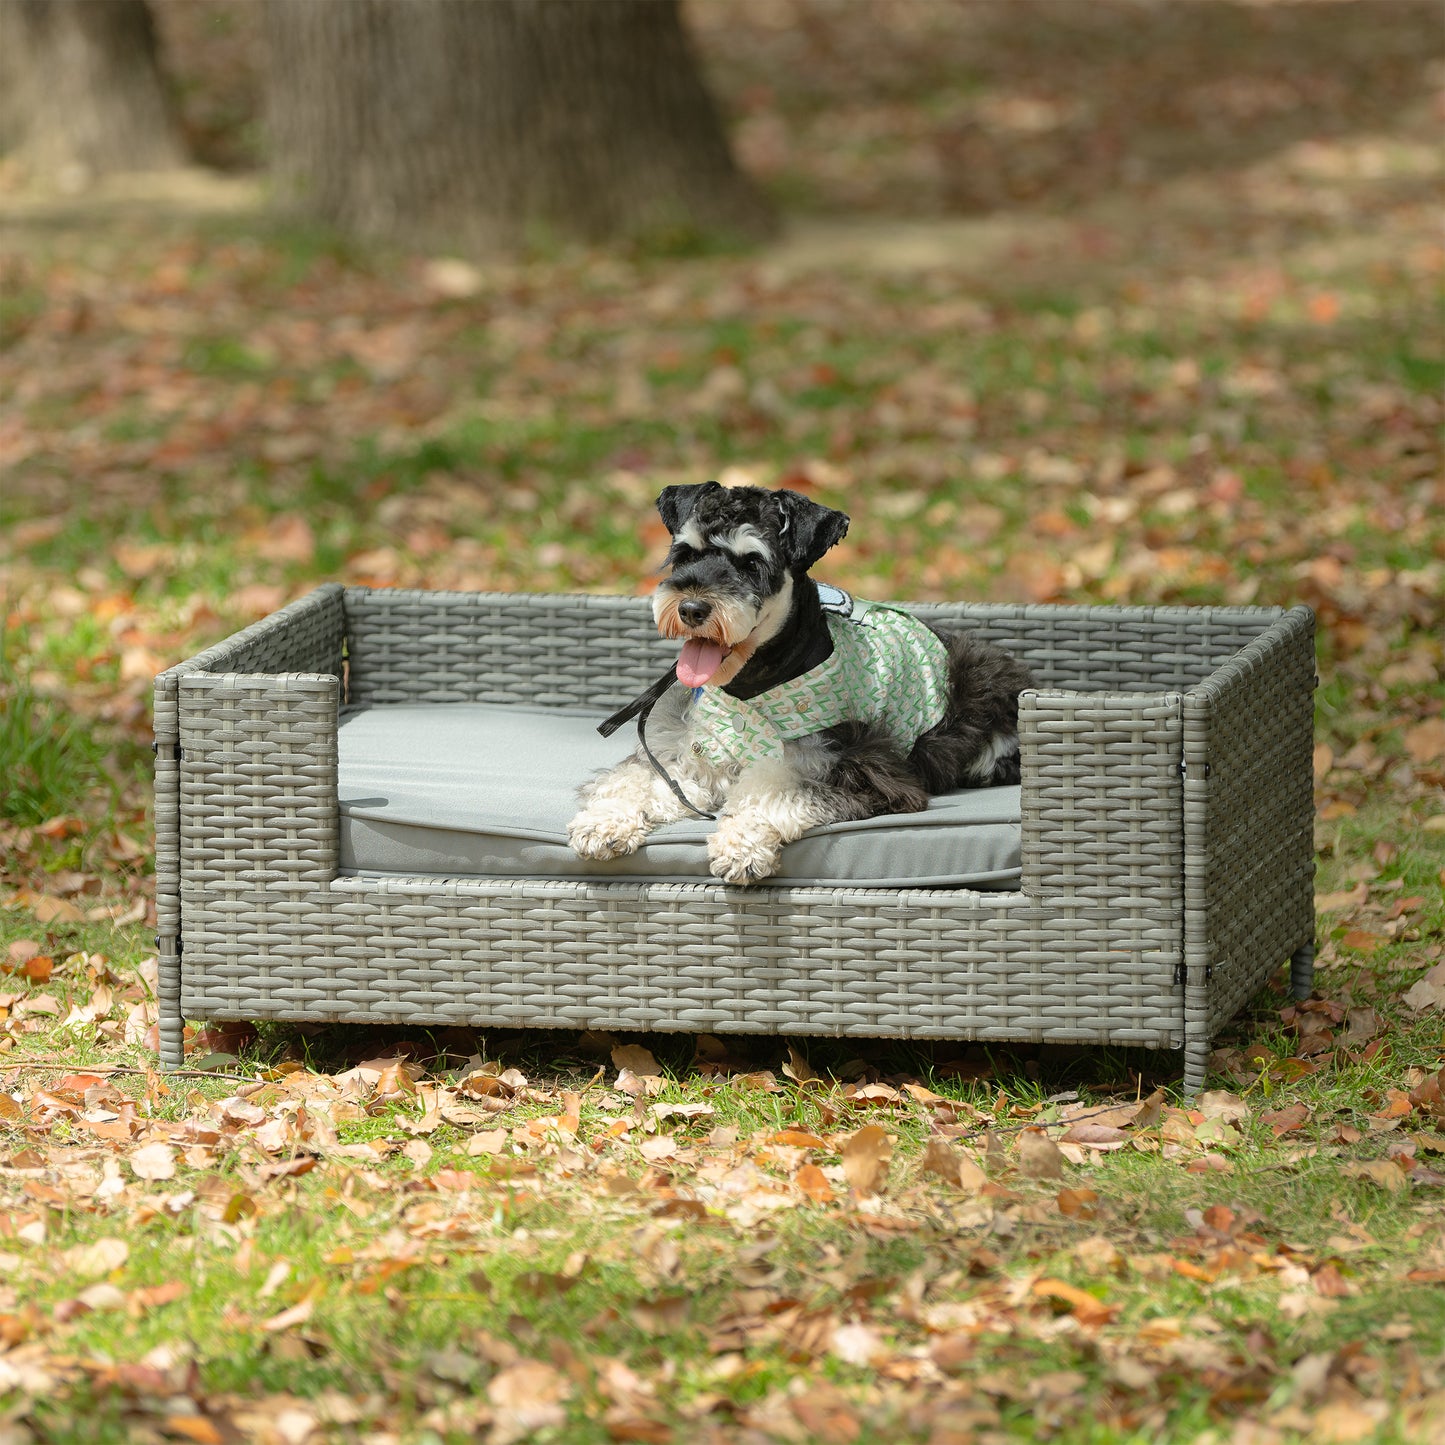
734,627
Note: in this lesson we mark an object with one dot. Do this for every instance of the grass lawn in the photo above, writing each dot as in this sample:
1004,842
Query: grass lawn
1228,390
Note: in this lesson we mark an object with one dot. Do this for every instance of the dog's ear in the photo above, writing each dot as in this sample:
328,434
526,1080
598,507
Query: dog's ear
676,504
808,528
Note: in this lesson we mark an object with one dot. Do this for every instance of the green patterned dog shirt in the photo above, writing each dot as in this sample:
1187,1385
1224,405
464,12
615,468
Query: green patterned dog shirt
886,667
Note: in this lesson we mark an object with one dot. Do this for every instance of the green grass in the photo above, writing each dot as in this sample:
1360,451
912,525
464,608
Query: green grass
936,409
52,763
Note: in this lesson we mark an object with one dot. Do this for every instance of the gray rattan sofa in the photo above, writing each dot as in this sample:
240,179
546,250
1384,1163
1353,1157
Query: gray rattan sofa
1164,849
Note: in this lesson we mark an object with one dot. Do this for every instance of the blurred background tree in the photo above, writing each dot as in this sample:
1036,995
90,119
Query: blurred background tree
81,91
499,121
483,122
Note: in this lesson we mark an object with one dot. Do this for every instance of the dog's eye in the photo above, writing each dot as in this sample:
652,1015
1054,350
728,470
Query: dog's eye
680,552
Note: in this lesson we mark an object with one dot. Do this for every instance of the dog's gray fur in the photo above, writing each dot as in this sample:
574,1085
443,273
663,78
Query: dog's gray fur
740,560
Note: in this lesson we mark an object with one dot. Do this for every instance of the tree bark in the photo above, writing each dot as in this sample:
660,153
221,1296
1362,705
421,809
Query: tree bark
500,122
86,96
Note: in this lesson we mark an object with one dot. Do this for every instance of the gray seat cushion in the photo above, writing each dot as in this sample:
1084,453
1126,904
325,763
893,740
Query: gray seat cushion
487,790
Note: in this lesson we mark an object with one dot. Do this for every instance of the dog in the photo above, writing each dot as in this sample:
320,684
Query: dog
799,705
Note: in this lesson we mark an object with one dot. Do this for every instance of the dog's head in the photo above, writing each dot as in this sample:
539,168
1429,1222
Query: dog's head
736,556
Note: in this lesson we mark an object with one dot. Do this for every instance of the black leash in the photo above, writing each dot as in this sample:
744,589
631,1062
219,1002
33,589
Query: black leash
639,708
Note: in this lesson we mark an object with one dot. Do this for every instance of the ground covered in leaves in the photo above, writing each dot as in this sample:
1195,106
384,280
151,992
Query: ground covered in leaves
1218,383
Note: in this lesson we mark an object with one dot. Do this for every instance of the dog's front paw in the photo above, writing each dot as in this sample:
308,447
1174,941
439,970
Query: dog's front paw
744,852
606,833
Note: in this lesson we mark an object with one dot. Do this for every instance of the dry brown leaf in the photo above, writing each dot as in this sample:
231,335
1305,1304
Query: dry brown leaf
634,1059
1425,742
797,1068
1428,992
153,1161
1039,1156
487,1141
1095,1136
1361,940
1342,1422
194,1427
1077,1203
1088,1309
102,1256
1347,898
814,1183
1286,1120
1378,1171
796,1139
865,1158
1149,1112
857,1344
298,1314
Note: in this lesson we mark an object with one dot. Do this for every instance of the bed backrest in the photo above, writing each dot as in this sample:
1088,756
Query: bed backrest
569,650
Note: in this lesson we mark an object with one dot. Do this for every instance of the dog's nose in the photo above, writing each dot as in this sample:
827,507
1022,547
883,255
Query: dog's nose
694,612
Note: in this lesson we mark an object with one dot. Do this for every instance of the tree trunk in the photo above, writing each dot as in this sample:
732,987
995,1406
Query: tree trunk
86,94
499,122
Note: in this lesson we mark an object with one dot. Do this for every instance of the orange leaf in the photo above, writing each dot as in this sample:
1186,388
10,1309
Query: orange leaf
296,1315
194,1427
1077,1203
814,1183
153,1296
1086,1308
1190,1270
1361,940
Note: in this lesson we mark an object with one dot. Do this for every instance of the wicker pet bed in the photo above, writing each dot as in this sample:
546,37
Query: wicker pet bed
1165,849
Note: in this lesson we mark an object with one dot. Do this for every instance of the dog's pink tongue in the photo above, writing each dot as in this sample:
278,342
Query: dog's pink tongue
698,662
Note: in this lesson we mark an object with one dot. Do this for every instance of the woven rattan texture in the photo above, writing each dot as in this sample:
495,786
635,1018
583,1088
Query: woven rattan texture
599,651
307,636
921,963
1115,910
1249,734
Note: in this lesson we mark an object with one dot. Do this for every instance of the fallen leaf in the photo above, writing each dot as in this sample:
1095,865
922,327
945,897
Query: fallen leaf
635,1059
487,1141
193,1427
1086,1308
856,1344
298,1314
814,1183
1425,742
153,1161
797,1068
103,1256
528,1398
797,1139
1039,1156
1347,898
865,1158
1077,1203
1428,992
1361,940
1378,1171
1285,1121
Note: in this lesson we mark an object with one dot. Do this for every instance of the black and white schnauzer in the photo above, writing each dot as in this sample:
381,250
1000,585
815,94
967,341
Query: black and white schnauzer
799,705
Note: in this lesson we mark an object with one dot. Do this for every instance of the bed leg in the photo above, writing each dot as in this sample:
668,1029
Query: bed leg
1302,972
170,1026
1196,1065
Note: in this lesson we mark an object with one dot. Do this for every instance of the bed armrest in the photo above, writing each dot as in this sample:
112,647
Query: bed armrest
1249,814
1101,816
309,635
258,767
